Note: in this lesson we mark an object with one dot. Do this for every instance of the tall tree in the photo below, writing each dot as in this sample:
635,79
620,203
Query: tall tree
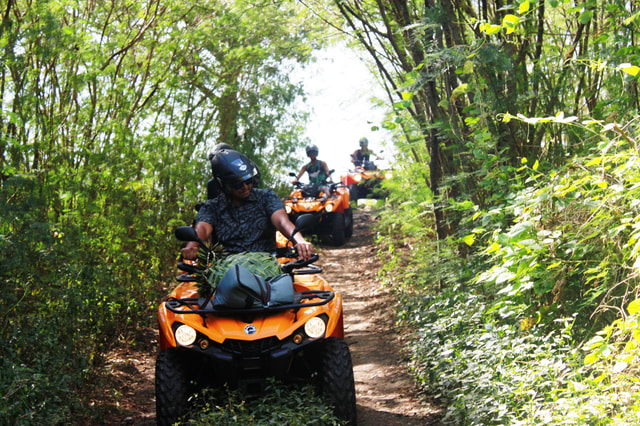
107,112
452,68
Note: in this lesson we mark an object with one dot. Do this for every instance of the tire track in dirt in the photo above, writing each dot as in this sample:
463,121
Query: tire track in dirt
385,392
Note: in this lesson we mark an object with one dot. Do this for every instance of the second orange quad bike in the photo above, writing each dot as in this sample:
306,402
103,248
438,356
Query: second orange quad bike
249,328
364,181
329,205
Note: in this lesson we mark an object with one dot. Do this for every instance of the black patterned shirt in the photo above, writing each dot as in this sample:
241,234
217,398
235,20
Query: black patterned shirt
246,227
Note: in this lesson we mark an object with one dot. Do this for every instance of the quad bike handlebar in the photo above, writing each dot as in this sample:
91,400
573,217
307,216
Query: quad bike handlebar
295,266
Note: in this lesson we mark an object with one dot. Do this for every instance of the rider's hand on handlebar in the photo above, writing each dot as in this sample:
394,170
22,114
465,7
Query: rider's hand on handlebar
190,250
304,249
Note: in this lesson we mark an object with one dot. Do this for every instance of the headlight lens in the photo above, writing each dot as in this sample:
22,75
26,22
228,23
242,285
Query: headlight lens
357,178
185,335
388,175
329,208
315,327
287,208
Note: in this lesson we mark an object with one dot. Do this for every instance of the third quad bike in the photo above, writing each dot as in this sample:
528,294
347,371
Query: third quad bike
249,327
364,181
329,205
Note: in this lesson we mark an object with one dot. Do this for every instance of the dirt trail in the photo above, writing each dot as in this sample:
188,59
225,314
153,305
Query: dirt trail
385,393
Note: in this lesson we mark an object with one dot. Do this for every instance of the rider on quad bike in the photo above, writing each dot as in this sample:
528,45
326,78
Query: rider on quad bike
364,179
318,170
235,319
327,201
243,218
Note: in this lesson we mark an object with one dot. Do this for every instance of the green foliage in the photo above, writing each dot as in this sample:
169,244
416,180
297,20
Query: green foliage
214,266
108,110
573,241
548,262
279,404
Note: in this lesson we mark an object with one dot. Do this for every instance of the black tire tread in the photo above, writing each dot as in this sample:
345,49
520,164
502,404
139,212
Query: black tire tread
337,229
172,387
337,379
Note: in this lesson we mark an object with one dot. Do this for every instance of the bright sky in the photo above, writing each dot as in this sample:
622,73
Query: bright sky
340,88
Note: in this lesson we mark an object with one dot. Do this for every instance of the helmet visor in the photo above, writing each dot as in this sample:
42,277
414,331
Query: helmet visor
240,183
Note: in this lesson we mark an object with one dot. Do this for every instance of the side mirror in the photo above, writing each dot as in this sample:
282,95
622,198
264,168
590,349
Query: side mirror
292,174
187,233
304,221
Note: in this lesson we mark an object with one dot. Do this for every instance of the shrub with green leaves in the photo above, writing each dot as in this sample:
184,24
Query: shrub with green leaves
550,265
279,404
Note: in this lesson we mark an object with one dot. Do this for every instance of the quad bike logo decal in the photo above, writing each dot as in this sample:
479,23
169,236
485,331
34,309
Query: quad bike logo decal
250,329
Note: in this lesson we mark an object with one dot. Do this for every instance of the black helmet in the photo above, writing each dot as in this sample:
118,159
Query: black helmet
218,147
230,167
364,141
312,149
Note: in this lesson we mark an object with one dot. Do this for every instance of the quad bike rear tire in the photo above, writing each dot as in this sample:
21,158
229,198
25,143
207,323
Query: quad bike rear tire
348,223
172,387
336,378
337,229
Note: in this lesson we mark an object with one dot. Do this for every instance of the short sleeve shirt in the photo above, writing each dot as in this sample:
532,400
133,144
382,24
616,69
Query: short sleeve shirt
316,173
246,227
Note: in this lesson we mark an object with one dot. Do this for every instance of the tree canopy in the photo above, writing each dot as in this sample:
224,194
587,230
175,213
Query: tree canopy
109,110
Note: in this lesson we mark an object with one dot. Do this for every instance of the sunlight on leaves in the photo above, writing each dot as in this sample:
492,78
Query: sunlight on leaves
524,7
629,69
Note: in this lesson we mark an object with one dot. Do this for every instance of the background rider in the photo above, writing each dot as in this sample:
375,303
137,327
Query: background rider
362,155
318,170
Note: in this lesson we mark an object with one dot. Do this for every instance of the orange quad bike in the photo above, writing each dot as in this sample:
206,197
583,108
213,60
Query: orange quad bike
329,204
251,328
364,181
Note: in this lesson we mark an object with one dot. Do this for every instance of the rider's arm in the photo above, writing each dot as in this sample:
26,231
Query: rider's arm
302,170
190,250
282,223
324,166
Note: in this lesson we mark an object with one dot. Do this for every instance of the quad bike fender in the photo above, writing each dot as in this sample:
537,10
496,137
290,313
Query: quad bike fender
282,324
218,328
335,327
349,180
344,202
165,334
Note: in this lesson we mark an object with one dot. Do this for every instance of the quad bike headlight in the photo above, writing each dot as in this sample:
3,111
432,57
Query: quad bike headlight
329,208
315,327
287,208
388,175
185,335
357,178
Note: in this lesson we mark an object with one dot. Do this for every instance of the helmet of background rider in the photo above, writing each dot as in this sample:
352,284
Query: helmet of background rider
312,149
364,142
231,167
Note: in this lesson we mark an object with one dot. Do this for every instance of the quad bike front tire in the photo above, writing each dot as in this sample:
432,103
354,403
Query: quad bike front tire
172,387
353,192
336,378
348,223
337,229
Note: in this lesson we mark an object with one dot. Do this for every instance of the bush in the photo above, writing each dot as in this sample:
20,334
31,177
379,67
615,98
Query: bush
279,404
499,325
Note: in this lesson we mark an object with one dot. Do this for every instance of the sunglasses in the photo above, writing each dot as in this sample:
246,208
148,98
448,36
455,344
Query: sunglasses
240,184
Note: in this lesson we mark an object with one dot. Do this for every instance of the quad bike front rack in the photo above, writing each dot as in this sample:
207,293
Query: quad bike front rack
199,305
